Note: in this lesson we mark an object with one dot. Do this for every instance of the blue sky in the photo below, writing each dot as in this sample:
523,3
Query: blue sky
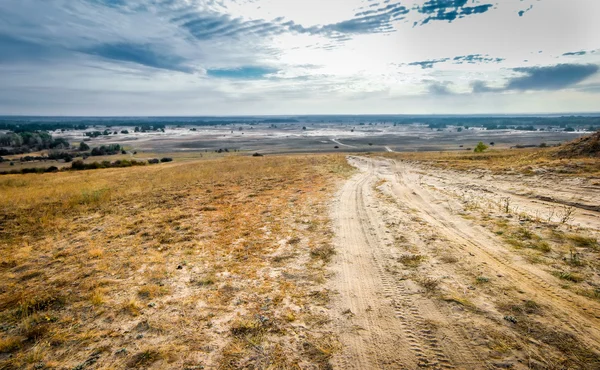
230,57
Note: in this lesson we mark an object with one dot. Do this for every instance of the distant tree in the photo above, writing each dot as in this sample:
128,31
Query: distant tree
460,129
480,148
124,132
83,146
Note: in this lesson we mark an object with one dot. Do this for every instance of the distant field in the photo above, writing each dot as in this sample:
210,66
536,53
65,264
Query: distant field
215,263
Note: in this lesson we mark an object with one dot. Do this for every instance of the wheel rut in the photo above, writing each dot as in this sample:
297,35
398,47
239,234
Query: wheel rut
363,244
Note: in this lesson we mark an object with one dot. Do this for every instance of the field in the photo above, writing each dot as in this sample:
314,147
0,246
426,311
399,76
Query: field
372,260
207,263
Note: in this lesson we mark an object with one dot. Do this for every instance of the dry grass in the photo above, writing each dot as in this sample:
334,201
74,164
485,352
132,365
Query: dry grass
523,161
150,267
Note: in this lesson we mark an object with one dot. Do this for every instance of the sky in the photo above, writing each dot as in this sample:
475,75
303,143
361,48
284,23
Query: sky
287,57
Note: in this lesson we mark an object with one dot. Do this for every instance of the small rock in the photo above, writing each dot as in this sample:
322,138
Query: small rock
179,267
139,336
152,304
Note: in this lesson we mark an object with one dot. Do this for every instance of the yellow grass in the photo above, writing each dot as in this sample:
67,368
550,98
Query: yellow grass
524,161
98,265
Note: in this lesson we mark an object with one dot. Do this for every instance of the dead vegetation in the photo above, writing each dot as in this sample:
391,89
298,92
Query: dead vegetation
171,266
556,161
587,146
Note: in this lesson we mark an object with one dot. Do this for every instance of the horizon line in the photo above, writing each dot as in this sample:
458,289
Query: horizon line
596,113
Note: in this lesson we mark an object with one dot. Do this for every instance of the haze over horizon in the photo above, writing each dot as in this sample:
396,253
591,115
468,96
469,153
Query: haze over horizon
287,57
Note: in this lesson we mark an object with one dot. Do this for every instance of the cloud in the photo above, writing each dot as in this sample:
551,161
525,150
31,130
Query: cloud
472,59
241,73
522,12
549,78
449,10
370,21
14,49
439,88
573,53
426,64
476,58
593,88
143,54
206,25
479,87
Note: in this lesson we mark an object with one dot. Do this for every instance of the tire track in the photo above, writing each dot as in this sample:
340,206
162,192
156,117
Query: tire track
573,309
409,310
371,335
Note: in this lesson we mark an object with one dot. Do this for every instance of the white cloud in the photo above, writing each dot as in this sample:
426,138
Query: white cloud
147,57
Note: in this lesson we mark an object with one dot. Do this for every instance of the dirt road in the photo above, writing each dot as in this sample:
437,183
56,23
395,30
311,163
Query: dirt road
407,277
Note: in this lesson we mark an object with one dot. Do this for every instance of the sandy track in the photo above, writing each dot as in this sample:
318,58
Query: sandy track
390,322
383,321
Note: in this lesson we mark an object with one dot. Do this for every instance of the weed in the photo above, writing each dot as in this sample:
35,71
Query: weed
131,307
505,204
566,214
430,284
320,350
583,241
205,280
482,280
9,344
97,297
411,260
569,276
152,291
447,258
460,301
574,259
324,252
144,359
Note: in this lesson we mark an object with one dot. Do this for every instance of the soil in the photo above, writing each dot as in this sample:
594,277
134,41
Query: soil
419,285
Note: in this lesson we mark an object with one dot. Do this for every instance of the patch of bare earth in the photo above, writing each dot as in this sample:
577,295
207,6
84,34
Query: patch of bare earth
207,264
444,268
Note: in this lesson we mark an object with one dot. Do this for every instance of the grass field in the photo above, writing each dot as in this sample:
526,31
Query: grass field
515,161
214,262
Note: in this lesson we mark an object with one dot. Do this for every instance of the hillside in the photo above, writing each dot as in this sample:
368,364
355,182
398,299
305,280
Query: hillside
587,146
211,263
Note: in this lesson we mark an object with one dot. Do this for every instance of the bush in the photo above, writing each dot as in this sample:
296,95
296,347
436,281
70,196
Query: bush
166,159
83,147
153,161
110,149
78,165
480,148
